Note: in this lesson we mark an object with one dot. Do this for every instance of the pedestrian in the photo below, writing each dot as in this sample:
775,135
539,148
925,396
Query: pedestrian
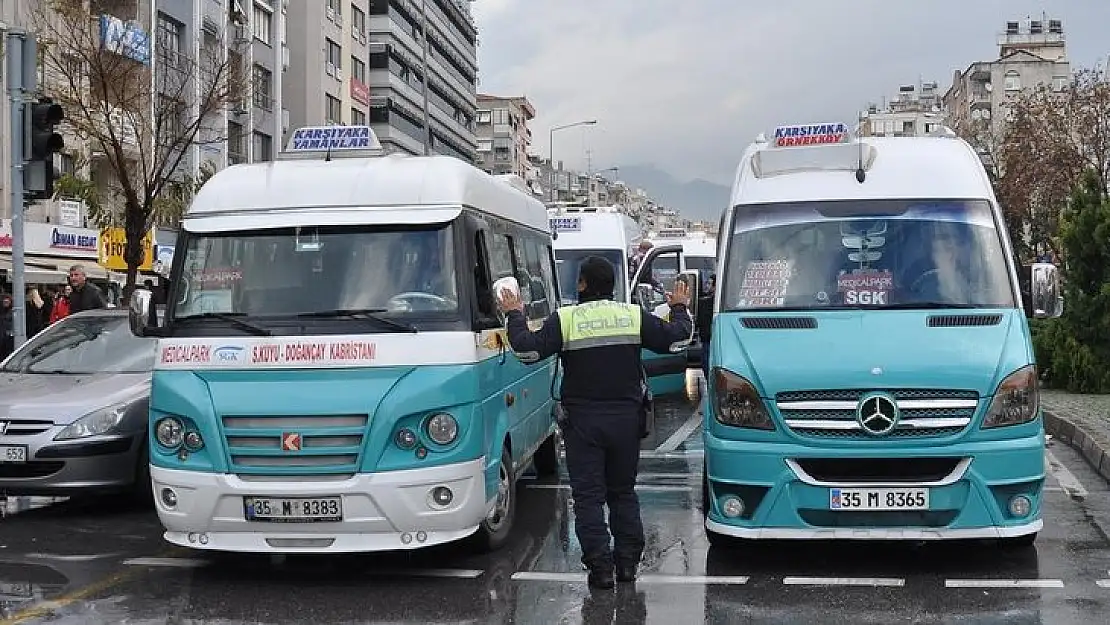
7,326
638,257
60,310
85,296
604,400
37,314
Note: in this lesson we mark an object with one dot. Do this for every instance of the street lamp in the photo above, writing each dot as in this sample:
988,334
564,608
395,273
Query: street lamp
551,149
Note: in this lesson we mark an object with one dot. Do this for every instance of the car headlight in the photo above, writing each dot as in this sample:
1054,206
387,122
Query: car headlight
169,432
737,403
102,421
1016,401
442,428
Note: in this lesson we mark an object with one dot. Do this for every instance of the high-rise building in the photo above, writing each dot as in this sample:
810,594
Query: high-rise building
326,82
503,134
398,55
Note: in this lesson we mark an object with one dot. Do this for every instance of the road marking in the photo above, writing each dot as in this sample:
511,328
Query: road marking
671,455
1053,489
1065,477
647,488
681,434
1003,583
646,476
1103,583
843,581
70,558
180,563
728,580
442,573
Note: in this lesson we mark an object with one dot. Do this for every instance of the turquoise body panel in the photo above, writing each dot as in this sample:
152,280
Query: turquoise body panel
391,398
878,350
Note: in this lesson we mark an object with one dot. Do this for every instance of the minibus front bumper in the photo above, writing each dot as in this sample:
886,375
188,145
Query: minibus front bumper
383,511
990,489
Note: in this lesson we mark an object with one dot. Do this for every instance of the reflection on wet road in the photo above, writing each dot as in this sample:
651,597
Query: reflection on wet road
105,562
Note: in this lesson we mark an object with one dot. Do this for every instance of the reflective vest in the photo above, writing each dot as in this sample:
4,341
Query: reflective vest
599,324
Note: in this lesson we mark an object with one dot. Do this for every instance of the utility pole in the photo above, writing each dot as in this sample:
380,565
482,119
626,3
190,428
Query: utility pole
424,83
22,53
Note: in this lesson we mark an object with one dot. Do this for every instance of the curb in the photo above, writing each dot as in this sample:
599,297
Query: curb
1077,438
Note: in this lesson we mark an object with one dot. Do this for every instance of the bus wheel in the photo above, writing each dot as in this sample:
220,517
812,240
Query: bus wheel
546,458
494,530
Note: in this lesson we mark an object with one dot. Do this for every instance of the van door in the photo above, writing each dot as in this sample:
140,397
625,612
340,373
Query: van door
653,279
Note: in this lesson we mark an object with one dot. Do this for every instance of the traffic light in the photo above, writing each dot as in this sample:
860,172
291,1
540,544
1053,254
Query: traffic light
41,142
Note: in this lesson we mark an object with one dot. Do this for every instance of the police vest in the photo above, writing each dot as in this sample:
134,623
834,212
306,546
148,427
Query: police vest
599,324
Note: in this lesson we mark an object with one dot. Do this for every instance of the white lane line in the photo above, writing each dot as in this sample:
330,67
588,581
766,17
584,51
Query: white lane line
652,476
1065,477
647,488
681,434
1053,489
1103,583
70,558
1003,583
446,573
843,581
671,455
540,576
181,563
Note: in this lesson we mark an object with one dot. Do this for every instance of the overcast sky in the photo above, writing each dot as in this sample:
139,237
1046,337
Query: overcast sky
687,84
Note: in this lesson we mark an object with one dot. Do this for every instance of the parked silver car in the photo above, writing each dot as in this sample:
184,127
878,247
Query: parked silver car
73,409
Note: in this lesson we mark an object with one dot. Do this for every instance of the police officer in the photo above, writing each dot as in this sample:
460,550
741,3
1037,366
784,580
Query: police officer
604,398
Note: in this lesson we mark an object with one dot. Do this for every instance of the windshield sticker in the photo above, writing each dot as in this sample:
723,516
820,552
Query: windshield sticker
765,283
218,277
866,286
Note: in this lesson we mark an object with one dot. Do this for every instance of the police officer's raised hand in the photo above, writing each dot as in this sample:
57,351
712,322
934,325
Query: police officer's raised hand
681,294
508,300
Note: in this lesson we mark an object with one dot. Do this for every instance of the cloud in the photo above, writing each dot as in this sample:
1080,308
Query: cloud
687,84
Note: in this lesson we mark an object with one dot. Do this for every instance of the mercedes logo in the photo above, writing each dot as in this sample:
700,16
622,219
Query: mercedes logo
877,414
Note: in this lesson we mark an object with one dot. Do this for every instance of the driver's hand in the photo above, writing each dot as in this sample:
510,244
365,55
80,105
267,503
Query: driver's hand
507,300
681,294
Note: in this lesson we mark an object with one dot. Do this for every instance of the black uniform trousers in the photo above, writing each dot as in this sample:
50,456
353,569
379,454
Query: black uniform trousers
603,454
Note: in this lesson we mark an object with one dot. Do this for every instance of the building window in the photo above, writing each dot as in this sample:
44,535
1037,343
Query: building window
236,150
169,40
333,110
358,19
263,147
263,84
336,5
333,54
358,69
1013,81
358,118
484,117
501,116
262,22
1059,83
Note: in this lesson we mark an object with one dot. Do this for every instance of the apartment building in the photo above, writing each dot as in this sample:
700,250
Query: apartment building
247,34
328,50
503,135
1030,53
914,112
397,78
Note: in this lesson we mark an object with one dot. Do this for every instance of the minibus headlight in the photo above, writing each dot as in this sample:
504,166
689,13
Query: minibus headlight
737,403
442,428
169,432
1016,400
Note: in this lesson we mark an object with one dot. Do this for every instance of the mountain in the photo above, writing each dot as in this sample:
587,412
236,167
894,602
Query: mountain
696,199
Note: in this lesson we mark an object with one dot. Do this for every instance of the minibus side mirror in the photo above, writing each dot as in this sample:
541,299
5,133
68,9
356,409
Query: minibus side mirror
138,314
1045,300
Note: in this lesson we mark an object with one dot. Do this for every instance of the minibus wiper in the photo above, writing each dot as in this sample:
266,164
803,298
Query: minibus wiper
926,306
233,319
361,313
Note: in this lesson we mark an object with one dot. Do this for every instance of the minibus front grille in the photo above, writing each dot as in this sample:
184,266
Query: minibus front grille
832,414
294,444
879,470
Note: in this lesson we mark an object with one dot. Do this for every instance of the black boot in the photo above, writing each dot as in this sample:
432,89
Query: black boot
600,569
626,572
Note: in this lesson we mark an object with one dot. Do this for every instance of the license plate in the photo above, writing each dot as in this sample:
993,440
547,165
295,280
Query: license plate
293,510
878,499
14,454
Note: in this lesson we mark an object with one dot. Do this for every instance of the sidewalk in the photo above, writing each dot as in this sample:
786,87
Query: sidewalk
1082,421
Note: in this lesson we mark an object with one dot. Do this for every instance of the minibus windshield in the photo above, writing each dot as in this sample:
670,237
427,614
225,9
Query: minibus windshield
568,262
884,254
308,270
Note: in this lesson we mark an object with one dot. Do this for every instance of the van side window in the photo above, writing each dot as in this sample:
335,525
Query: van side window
482,282
540,273
523,275
500,255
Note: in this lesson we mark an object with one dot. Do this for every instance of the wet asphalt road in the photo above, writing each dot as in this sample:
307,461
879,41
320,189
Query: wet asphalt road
104,562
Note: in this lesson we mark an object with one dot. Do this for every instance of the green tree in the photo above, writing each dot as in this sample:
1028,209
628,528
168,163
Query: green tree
1076,348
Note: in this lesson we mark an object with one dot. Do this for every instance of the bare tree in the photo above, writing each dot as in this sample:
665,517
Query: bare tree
141,123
